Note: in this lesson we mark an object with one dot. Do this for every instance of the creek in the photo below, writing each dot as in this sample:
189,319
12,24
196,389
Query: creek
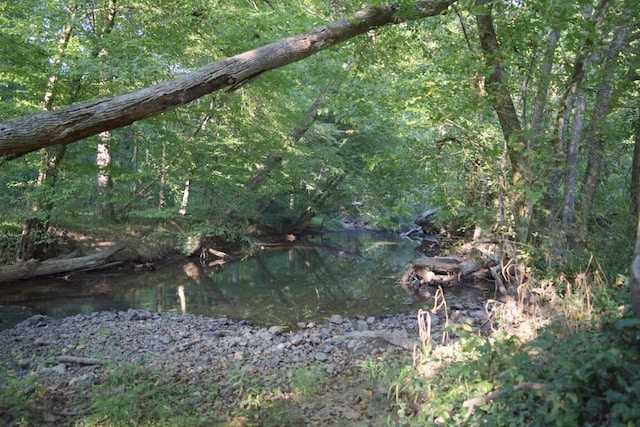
350,273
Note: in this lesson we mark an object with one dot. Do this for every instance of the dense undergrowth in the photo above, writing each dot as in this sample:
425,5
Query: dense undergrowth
582,367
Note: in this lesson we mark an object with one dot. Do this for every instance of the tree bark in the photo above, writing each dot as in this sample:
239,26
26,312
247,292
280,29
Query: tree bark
571,174
26,134
105,183
502,103
596,139
634,186
634,280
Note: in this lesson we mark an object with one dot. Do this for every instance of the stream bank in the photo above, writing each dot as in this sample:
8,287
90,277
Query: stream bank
309,375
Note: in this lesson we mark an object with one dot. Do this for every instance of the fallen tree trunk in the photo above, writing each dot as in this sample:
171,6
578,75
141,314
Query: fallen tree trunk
22,135
35,268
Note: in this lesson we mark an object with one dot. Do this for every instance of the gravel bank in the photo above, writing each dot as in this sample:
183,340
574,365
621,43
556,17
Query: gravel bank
68,356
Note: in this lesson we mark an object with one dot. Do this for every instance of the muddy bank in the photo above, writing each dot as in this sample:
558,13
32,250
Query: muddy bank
68,357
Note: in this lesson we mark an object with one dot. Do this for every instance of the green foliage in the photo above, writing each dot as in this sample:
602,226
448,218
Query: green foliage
135,395
589,377
17,407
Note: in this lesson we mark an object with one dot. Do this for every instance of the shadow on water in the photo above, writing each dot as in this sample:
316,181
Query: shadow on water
348,273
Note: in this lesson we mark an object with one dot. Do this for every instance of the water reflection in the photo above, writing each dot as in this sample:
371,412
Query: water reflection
348,273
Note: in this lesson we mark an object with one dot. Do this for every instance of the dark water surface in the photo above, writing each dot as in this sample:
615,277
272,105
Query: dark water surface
348,273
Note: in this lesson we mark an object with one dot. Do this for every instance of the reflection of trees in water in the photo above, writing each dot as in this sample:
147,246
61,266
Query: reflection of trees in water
335,273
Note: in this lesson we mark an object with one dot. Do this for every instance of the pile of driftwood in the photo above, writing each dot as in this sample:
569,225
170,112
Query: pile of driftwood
472,261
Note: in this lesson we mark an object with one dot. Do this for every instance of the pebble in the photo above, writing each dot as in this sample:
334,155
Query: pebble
336,319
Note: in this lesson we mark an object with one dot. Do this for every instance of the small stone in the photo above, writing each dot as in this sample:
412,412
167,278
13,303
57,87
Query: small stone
320,356
297,339
83,381
275,330
301,325
371,320
238,355
60,368
362,325
264,334
336,319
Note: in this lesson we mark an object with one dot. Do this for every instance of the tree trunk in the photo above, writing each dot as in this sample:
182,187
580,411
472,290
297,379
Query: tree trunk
541,97
105,183
26,134
185,197
163,178
34,227
596,139
35,268
305,218
571,174
502,103
634,280
634,187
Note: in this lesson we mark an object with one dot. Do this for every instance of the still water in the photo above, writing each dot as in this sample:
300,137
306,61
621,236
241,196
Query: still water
348,273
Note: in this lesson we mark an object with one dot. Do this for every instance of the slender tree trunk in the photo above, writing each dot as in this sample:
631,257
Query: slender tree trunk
105,183
307,215
185,197
540,102
273,161
634,280
571,174
502,103
163,177
596,139
37,224
634,186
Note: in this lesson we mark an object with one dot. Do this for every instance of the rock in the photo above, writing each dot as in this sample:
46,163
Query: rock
320,356
83,381
60,369
336,319
264,335
362,325
275,330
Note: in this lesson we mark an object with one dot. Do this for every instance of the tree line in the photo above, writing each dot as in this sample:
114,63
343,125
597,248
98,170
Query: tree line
521,117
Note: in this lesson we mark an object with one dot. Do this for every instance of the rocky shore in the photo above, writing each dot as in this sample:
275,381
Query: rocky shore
67,357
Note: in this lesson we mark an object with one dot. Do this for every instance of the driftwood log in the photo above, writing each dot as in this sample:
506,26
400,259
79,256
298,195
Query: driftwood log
35,268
